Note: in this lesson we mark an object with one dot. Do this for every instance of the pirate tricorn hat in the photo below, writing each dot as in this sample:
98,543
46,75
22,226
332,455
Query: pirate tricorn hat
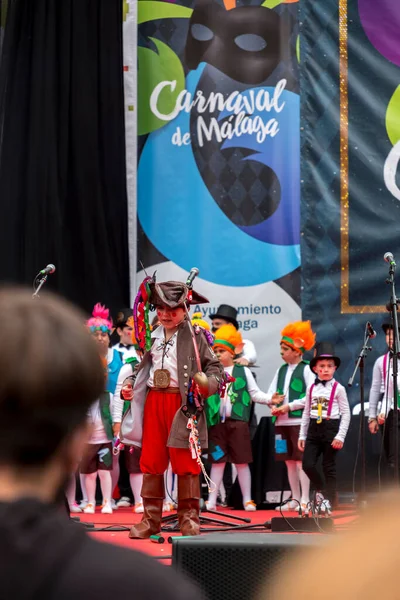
173,294
324,350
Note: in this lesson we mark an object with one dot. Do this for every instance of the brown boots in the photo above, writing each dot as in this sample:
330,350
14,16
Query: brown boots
153,496
189,504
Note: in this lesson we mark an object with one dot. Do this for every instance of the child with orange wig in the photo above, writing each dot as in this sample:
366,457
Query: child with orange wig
228,416
286,396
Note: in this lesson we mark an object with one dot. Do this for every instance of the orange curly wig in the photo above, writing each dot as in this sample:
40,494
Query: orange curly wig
299,336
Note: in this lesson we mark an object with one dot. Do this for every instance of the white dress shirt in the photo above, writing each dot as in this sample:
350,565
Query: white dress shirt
164,356
126,352
340,408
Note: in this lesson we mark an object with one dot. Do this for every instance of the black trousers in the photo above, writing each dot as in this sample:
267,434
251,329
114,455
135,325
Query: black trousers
389,441
319,443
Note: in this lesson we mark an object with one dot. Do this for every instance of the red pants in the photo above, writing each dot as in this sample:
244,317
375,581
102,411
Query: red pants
159,412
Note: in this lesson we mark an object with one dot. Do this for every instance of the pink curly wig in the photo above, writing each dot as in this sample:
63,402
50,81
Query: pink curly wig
100,320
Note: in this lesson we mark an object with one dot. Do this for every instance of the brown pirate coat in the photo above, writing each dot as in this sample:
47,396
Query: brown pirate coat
132,423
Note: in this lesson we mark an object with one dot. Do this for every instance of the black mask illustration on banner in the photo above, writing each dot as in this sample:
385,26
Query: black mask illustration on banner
246,43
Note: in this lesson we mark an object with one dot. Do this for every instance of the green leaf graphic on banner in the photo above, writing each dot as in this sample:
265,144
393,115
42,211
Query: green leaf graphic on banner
125,9
298,49
154,67
149,10
271,3
393,117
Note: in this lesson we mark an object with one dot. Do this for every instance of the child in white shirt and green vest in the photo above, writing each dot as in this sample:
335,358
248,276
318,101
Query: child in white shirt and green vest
228,415
286,396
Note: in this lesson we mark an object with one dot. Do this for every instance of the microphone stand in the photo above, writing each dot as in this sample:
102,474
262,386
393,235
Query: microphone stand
396,346
360,365
40,285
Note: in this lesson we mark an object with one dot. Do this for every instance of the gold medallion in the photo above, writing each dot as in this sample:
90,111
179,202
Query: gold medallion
162,378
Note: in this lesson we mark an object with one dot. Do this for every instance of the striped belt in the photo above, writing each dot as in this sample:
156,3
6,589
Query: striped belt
168,390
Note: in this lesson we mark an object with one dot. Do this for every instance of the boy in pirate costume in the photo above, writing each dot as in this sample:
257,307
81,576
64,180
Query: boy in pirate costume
286,396
166,410
324,424
228,414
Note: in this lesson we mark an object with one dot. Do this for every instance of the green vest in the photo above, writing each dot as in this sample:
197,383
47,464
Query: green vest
297,386
238,396
104,402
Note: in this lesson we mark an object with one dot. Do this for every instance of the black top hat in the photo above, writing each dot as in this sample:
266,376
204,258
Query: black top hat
173,294
387,326
228,313
122,317
324,350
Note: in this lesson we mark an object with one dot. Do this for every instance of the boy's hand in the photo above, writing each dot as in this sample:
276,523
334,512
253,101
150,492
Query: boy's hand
301,445
241,361
116,429
373,426
280,410
277,398
381,419
127,392
337,444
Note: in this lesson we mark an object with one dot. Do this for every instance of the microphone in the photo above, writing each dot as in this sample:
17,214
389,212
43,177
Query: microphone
389,258
48,270
193,273
371,331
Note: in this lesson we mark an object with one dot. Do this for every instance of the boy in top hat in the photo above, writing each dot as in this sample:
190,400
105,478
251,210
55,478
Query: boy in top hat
228,415
124,328
324,424
286,396
382,387
126,468
166,412
228,314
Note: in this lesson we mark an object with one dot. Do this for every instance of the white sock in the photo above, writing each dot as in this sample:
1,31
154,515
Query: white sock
70,491
305,484
83,486
234,473
105,484
217,473
136,480
89,481
115,472
294,480
244,477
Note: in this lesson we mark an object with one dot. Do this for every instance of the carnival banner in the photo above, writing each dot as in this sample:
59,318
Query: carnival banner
219,159
350,70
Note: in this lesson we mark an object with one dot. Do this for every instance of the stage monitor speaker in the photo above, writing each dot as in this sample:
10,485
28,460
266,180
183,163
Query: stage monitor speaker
234,566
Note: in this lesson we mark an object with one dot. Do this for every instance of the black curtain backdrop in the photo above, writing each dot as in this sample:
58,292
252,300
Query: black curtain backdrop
62,149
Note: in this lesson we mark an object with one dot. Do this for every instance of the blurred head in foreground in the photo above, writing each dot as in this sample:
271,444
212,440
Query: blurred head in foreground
359,563
50,373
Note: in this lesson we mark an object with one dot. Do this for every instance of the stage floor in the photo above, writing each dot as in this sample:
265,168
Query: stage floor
125,517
